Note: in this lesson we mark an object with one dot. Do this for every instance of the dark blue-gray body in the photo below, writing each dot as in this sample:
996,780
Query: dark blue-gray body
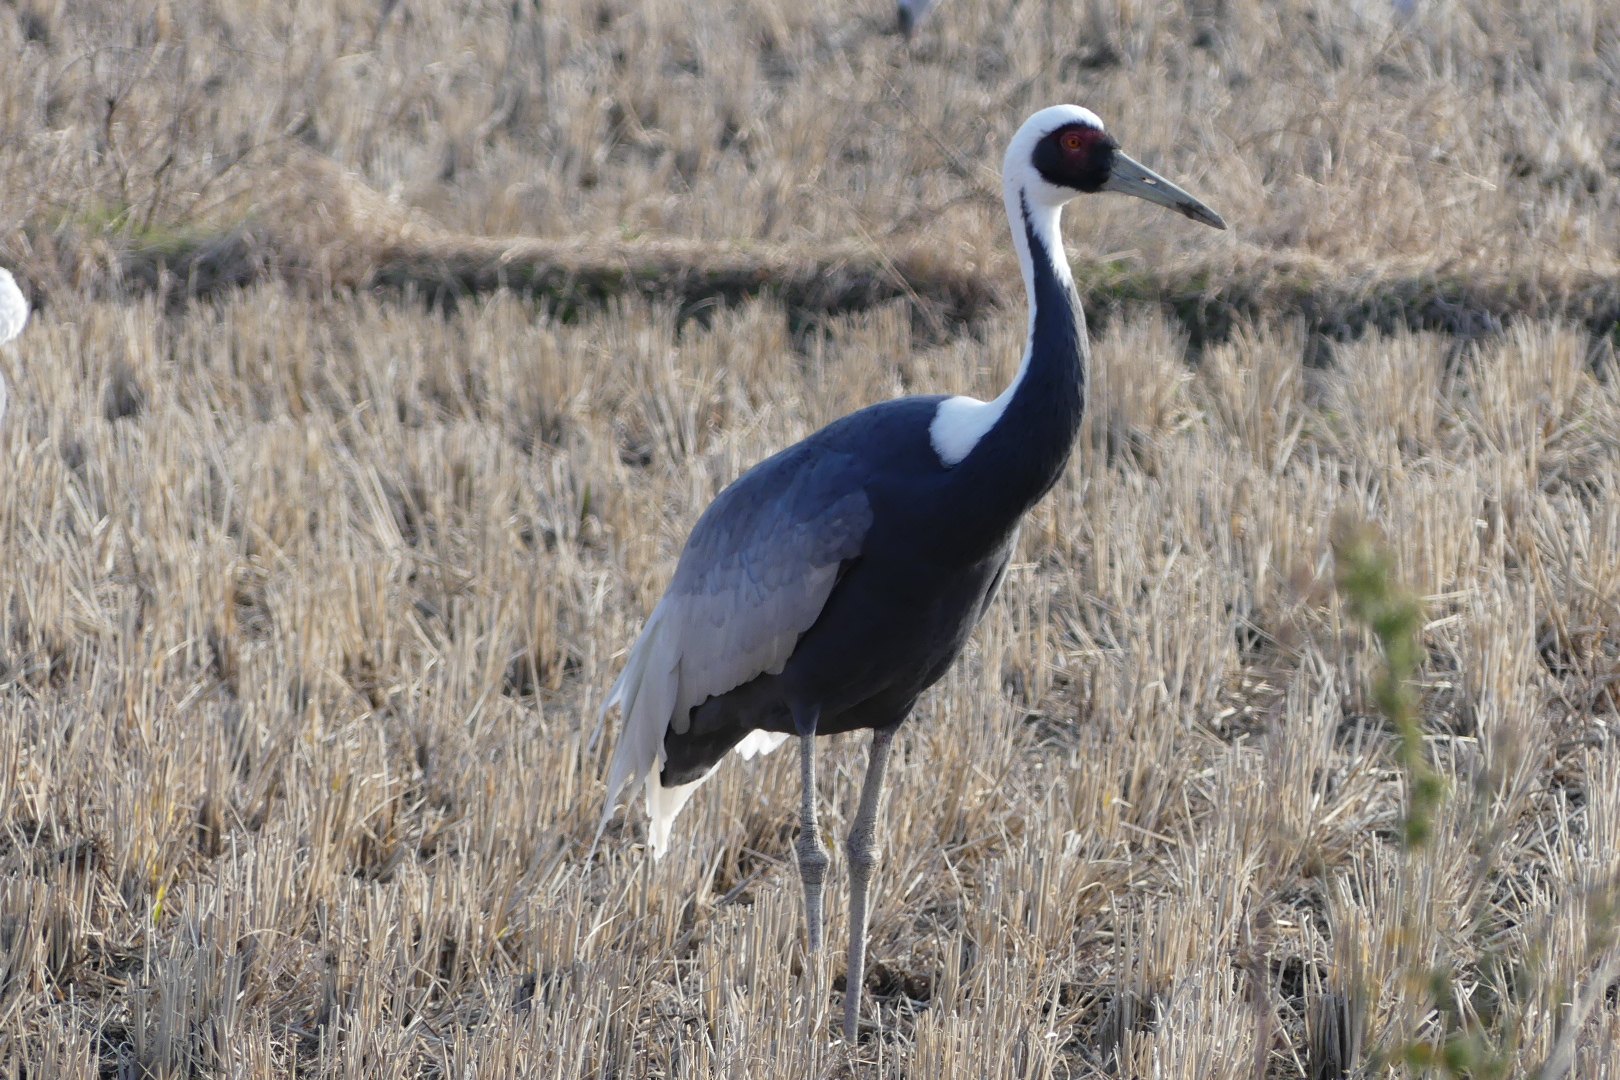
920,547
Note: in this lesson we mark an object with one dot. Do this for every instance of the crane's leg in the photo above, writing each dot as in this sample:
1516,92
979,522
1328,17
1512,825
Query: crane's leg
863,859
812,852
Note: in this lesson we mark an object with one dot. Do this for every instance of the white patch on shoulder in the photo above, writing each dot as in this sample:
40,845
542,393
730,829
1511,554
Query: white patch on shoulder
959,423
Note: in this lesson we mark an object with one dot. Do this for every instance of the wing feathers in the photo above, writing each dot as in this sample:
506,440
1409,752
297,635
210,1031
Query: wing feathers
754,576
645,694
759,742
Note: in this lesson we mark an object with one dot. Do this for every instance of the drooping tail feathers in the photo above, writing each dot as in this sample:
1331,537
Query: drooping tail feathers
647,693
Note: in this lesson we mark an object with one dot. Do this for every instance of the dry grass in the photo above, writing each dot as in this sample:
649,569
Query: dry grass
303,656
313,594
1480,134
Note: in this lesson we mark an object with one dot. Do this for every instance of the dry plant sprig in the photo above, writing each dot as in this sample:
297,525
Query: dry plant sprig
1365,579
1395,616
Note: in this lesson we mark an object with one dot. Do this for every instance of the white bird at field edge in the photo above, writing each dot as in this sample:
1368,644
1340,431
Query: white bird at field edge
13,317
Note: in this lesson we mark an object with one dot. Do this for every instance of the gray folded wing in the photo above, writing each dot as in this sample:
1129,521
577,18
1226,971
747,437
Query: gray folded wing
756,572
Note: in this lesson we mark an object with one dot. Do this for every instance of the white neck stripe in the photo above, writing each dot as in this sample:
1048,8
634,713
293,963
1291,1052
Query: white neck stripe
960,422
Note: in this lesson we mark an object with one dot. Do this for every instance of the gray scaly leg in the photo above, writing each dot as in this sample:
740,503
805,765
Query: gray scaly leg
812,853
863,858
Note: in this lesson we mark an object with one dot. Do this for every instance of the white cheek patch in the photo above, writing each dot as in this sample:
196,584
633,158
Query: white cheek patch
959,423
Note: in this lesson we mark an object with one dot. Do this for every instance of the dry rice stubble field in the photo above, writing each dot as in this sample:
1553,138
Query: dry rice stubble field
307,630
1478,136
312,599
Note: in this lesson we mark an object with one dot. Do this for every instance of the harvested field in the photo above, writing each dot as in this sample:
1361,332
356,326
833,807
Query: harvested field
385,354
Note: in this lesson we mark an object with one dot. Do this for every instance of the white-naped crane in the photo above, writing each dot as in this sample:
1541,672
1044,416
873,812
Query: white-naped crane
13,317
831,584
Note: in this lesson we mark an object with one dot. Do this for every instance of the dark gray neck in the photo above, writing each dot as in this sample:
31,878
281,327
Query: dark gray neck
1022,455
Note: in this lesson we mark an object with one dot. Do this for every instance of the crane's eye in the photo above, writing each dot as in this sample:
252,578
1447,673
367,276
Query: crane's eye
1072,141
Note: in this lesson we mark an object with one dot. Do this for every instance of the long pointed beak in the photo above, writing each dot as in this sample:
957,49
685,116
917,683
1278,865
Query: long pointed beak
1131,177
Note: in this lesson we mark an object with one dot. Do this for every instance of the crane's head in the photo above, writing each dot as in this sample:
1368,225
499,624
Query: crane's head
1063,151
